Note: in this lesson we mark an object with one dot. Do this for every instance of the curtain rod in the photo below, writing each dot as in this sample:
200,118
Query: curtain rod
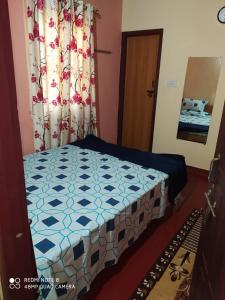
103,51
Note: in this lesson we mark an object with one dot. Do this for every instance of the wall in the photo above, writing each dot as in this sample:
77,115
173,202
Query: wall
16,14
190,29
108,36
202,78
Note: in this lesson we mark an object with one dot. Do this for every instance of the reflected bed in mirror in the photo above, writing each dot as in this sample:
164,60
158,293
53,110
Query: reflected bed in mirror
200,86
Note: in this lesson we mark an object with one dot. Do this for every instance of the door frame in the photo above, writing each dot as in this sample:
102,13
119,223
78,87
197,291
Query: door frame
125,36
16,251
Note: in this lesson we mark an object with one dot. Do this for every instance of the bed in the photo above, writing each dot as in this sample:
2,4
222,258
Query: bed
89,201
195,119
194,125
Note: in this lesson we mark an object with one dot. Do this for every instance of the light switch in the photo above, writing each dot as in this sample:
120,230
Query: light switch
171,83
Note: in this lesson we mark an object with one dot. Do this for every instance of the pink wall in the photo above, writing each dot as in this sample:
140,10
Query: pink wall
16,14
108,37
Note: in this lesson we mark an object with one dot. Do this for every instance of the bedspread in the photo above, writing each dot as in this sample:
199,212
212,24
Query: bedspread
86,209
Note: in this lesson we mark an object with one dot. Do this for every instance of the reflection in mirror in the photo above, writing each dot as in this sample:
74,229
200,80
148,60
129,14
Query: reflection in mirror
198,98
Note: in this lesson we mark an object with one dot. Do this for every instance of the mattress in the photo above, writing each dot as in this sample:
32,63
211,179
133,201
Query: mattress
86,208
172,164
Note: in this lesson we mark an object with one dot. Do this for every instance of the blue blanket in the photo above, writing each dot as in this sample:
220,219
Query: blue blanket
171,164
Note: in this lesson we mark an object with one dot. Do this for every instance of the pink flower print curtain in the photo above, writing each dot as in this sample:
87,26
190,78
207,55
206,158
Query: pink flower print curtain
61,47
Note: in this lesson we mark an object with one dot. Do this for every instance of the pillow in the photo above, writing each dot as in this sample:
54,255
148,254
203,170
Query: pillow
194,104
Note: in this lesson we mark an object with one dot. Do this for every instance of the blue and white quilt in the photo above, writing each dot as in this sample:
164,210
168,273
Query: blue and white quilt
86,209
194,117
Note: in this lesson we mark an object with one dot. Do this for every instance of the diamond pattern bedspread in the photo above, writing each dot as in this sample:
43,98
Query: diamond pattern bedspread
86,209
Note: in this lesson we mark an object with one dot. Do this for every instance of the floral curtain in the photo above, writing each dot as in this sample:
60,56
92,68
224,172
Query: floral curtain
61,47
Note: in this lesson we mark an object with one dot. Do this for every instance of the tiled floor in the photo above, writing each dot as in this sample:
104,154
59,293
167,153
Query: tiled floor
118,282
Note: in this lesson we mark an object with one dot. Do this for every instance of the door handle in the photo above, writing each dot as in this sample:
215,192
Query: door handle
212,166
211,206
150,93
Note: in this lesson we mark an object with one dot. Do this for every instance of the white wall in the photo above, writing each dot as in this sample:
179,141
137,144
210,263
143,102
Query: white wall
190,29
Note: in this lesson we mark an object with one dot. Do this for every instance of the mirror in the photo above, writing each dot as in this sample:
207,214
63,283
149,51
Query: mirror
198,98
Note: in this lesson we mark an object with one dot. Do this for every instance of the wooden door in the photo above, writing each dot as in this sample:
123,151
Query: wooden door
140,61
16,251
208,281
